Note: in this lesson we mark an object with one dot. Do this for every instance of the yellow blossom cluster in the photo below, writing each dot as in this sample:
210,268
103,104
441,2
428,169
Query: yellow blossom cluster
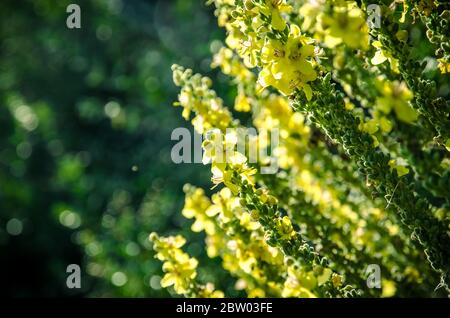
243,249
335,22
309,229
231,65
197,97
272,111
286,59
180,269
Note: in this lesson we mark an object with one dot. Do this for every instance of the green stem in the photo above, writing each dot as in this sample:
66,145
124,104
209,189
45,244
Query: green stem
327,111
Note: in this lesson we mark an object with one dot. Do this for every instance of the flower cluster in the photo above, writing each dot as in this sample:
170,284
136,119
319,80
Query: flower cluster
362,149
261,36
335,22
180,269
197,97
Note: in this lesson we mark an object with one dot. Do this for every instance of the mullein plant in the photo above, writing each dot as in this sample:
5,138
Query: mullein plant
363,152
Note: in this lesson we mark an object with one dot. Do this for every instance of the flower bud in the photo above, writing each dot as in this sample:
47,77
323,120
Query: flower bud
248,4
254,214
402,35
153,236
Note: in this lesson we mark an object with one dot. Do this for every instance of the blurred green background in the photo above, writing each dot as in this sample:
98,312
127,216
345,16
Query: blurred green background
85,124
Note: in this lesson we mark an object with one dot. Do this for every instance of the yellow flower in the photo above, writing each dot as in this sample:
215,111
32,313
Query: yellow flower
179,273
444,66
213,147
214,245
247,222
324,276
299,283
370,126
257,293
225,205
197,97
396,96
346,25
381,56
195,206
165,246
220,151
274,8
247,262
231,64
249,47
389,288
385,124
285,228
399,166
336,280
288,66
242,103
209,292
180,269
224,173
310,12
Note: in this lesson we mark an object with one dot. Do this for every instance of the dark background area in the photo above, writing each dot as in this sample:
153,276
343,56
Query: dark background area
85,124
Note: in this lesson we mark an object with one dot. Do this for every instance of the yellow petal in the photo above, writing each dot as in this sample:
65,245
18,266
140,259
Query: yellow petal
168,280
378,58
308,91
331,41
405,112
307,50
278,22
322,279
213,210
295,30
